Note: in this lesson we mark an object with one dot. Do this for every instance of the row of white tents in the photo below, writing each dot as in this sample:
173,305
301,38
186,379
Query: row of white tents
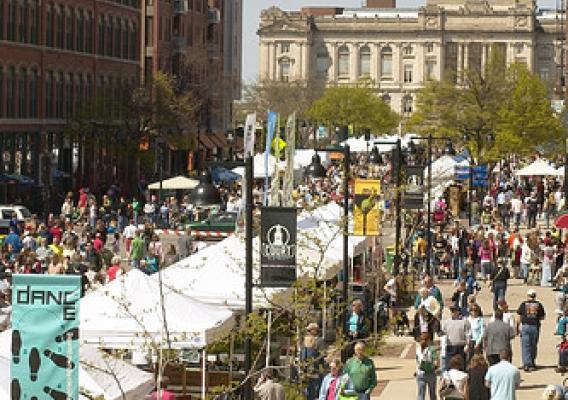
195,302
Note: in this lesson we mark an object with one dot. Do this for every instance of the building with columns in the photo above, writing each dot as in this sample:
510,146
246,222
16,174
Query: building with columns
400,49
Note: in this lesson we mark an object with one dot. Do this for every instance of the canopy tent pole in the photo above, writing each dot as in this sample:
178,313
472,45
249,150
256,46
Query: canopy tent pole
203,372
268,338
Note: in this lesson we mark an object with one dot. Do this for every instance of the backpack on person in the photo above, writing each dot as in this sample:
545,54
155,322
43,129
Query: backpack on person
448,389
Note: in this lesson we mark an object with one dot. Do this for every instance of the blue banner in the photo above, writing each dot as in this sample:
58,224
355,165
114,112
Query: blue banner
45,337
270,128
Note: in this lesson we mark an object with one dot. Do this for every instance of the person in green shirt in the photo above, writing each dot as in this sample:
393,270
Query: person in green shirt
137,250
361,372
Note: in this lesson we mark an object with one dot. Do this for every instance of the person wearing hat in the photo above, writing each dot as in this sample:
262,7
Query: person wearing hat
531,312
311,360
498,283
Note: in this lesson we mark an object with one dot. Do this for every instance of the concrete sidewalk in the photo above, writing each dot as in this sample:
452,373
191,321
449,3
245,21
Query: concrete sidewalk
395,374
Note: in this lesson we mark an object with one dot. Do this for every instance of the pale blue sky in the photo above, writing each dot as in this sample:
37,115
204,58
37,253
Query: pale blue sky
251,16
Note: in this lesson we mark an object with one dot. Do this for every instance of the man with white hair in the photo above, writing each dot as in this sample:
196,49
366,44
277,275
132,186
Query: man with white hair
361,372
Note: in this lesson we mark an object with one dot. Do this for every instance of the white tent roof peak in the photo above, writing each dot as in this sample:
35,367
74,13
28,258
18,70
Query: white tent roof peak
177,183
538,167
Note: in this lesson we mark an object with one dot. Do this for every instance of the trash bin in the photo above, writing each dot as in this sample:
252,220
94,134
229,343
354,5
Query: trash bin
390,254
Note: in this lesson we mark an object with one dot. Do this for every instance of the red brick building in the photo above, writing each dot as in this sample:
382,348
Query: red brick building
56,55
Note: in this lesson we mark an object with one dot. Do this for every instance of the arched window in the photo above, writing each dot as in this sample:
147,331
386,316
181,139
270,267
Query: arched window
59,93
125,39
23,22
109,36
89,32
322,60
101,36
34,90
386,63
284,65
343,61
34,18
10,92
49,94
69,95
88,90
133,41
365,61
50,24
80,30
1,87
79,92
59,27
2,23
407,104
22,80
11,25
117,37
70,29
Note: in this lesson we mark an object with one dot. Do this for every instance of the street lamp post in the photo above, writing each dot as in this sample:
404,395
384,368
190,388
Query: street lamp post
316,170
205,193
397,161
430,139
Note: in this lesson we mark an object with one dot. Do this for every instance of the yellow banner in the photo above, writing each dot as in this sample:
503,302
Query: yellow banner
366,210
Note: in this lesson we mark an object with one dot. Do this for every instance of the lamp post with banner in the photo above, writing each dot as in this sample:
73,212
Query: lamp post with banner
450,151
317,171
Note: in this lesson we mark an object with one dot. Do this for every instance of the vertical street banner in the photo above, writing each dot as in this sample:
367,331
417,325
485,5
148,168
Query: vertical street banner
290,153
45,337
278,246
249,134
413,184
270,127
366,207
275,183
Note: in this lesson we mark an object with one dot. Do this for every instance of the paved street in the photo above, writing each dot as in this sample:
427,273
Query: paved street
398,371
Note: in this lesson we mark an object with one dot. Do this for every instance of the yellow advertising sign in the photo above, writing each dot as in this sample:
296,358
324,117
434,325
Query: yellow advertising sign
366,211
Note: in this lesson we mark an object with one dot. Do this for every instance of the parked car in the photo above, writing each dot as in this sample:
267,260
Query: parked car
6,211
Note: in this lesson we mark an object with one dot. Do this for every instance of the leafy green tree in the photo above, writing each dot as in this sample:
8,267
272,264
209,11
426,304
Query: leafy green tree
354,105
510,104
526,120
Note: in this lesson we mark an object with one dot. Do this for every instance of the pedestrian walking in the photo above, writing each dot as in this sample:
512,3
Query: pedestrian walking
334,382
311,360
457,331
548,253
498,282
361,372
497,337
137,250
454,382
476,385
503,378
267,388
356,325
427,363
531,313
477,329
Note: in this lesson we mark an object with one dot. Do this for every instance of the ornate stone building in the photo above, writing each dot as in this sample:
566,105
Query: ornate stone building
399,49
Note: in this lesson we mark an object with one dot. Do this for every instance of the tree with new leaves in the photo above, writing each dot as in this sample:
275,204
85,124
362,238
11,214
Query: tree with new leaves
354,105
497,101
284,98
526,121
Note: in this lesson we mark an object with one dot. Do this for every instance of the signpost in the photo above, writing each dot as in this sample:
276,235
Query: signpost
278,246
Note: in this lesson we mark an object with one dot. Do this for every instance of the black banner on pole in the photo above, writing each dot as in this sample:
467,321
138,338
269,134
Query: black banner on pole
278,246
413,184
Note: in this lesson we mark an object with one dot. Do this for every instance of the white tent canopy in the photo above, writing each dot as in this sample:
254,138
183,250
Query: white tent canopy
127,313
359,144
303,158
94,373
177,183
443,169
538,167
259,163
